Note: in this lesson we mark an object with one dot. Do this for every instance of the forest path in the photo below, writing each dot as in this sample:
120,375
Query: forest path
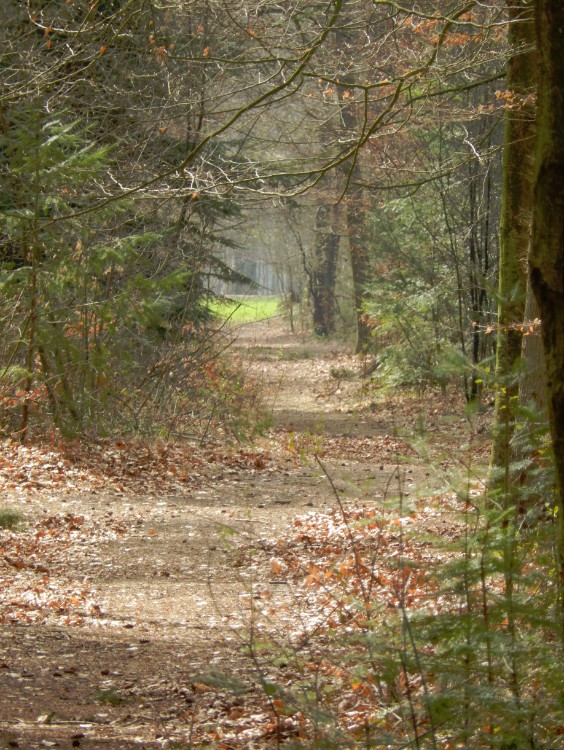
114,636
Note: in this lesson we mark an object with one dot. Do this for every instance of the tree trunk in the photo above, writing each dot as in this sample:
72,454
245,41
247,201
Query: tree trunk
324,275
356,198
532,387
546,257
532,429
518,166
360,263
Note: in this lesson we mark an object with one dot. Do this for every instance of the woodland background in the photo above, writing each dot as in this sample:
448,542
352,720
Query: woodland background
393,172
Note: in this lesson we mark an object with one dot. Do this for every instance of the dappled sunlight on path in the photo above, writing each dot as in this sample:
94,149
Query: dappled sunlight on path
138,568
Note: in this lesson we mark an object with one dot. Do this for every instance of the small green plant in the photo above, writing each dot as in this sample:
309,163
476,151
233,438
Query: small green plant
399,653
342,373
306,444
10,519
265,423
108,697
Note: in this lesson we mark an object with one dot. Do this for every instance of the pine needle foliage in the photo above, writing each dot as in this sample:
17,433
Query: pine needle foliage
103,325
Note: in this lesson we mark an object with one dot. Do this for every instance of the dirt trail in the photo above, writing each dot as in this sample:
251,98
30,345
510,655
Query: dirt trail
163,592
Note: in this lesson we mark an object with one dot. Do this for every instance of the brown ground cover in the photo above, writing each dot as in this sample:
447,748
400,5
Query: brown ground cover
128,598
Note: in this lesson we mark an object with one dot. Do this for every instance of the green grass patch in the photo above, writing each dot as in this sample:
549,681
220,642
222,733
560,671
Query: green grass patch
108,697
246,309
10,519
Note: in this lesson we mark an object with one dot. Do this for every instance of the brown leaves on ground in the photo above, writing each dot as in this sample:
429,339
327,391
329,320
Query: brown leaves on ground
309,595
115,466
352,576
33,585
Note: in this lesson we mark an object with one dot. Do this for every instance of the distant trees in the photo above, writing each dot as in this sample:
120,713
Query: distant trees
136,125
382,77
413,101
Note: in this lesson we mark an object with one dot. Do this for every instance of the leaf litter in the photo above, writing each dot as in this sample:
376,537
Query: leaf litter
131,610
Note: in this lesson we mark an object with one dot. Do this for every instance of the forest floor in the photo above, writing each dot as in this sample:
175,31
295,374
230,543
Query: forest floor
135,598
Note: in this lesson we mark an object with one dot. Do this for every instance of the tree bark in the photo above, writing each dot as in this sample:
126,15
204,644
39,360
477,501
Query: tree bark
324,275
532,387
515,230
546,257
360,263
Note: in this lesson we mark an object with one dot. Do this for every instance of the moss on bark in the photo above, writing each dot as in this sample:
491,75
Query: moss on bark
546,257
515,230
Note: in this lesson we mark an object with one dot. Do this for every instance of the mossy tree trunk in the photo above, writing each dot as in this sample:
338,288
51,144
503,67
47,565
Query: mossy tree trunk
515,230
546,257
532,387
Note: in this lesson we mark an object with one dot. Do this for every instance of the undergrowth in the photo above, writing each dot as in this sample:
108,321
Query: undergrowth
201,395
10,519
400,635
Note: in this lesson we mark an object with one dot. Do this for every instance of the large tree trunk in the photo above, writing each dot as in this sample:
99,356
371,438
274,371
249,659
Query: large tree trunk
518,169
547,249
533,403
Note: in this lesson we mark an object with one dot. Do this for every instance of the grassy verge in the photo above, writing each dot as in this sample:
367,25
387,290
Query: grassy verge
247,309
